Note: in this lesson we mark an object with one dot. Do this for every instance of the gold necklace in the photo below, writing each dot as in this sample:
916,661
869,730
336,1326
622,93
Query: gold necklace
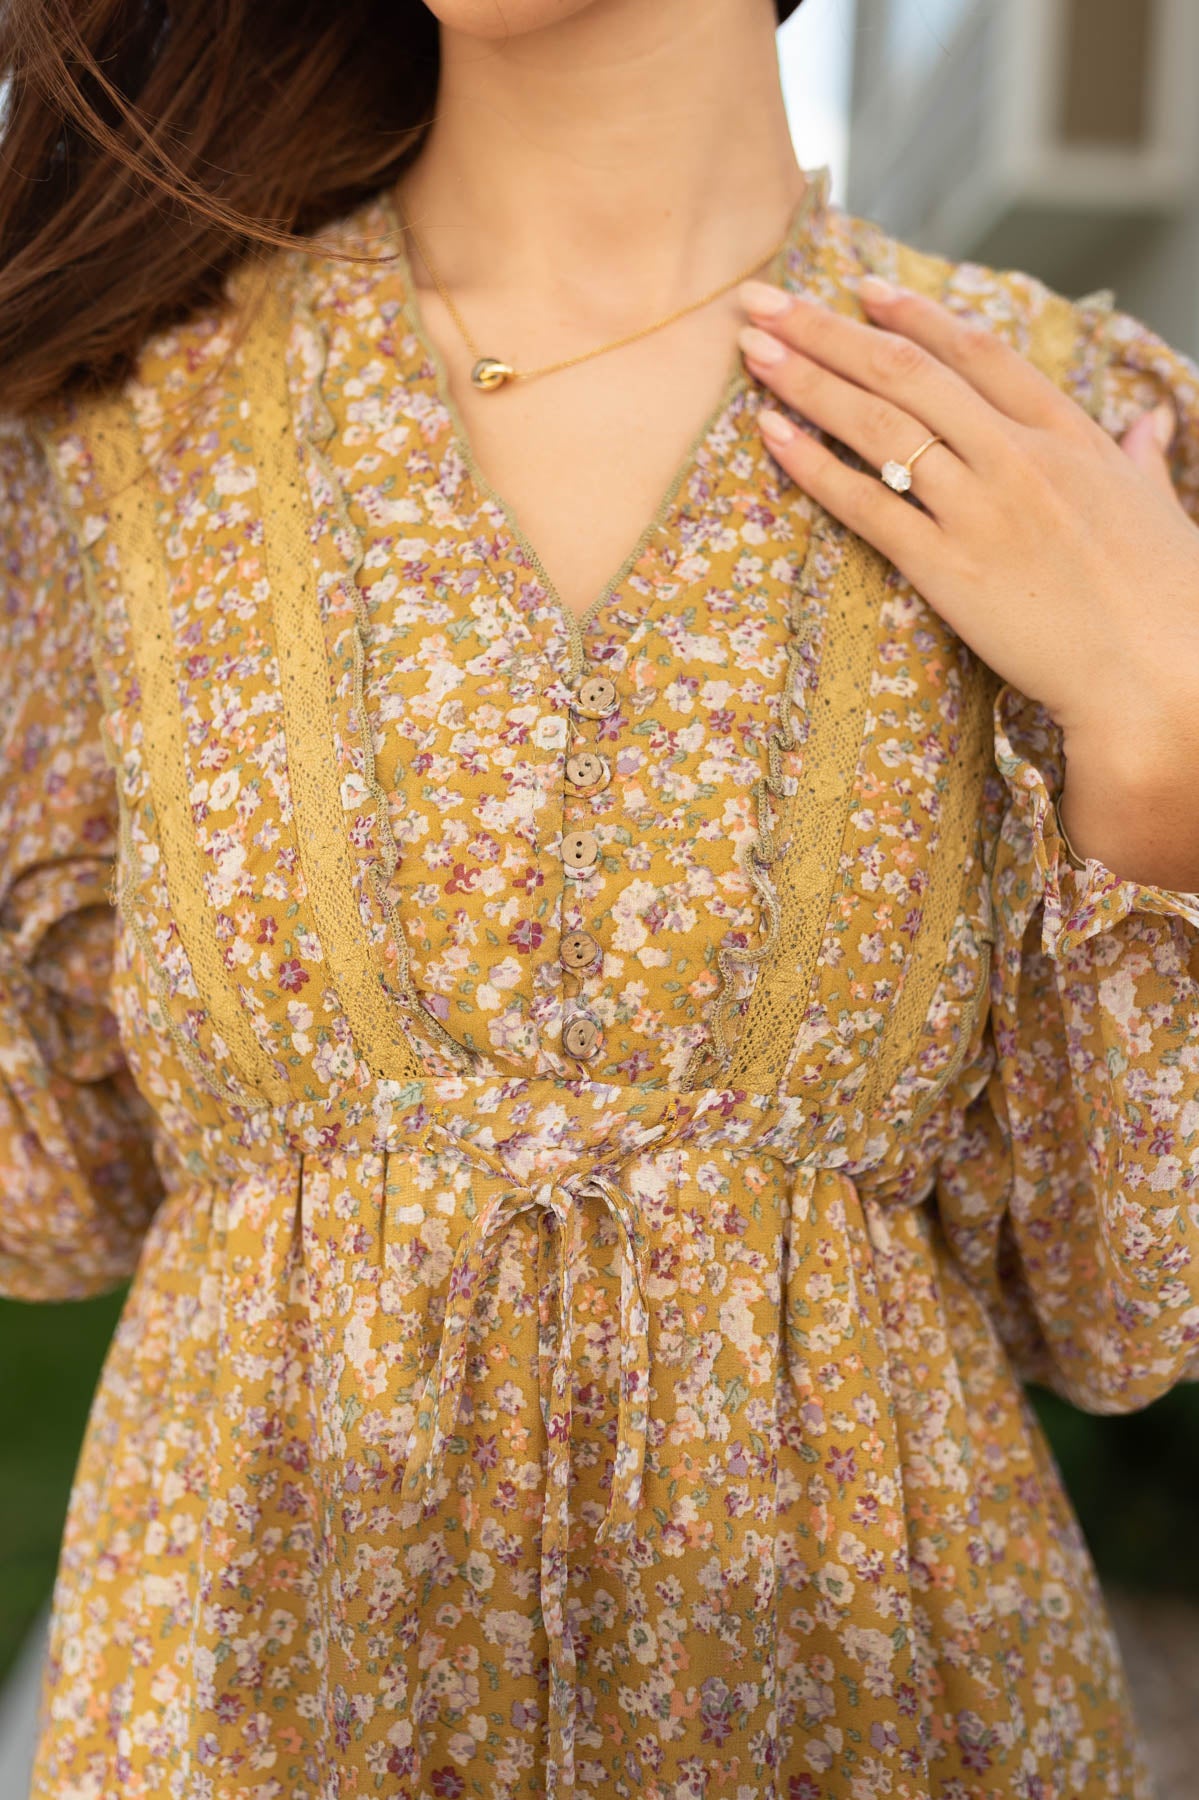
490,372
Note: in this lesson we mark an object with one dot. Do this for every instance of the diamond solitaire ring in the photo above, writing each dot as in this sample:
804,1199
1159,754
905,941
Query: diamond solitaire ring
898,475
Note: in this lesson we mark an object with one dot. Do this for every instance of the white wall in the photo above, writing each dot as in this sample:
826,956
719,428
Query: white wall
816,59
18,1716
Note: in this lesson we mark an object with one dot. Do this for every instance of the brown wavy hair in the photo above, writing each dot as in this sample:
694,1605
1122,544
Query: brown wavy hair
147,145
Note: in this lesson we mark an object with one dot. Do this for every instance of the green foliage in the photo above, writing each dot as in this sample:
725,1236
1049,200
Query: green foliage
1134,1483
50,1359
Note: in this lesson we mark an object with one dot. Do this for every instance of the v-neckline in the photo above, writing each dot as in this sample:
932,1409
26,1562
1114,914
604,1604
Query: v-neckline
811,202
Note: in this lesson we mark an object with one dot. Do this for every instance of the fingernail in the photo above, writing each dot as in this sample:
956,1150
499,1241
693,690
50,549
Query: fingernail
873,287
774,426
766,301
1165,423
759,346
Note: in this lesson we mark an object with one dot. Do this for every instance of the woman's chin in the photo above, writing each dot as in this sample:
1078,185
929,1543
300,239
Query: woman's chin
497,19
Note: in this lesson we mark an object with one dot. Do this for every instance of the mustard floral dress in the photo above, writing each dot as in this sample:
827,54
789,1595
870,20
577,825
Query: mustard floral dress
601,1115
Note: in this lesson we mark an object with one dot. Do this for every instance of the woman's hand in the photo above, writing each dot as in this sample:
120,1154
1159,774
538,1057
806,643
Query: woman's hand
1061,557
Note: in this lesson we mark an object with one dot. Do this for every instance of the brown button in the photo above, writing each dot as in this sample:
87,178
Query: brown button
586,769
578,950
596,697
579,849
581,1038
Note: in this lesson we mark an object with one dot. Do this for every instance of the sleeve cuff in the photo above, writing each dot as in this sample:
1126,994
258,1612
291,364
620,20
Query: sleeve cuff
1081,898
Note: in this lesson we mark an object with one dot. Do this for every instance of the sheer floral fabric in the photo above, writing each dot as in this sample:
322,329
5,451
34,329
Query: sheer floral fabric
601,1116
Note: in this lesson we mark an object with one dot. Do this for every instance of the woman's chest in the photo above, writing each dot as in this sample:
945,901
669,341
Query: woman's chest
587,458
391,809
570,807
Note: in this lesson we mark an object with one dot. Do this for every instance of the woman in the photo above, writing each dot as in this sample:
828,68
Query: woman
605,1085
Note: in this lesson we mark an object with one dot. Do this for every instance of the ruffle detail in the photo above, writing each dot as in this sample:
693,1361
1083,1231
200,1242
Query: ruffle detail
315,426
80,1181
1078,903
759,855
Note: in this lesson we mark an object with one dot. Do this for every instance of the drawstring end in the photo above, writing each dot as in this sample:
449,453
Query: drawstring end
439,1409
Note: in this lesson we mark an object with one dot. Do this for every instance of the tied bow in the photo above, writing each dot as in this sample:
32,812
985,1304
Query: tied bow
438,1412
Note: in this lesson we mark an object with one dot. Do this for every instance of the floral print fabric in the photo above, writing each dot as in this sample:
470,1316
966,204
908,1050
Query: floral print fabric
487,1419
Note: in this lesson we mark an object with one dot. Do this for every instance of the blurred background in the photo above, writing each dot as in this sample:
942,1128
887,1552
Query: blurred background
1058,136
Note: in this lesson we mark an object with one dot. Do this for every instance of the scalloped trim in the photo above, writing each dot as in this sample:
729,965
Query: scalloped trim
763,851
760,854
1086,377
255,1082
315,428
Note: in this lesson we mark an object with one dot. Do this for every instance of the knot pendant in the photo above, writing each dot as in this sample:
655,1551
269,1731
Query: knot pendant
489,372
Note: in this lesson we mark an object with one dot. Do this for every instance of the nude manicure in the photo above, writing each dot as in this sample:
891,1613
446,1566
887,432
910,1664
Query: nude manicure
759,346
766,301
774,426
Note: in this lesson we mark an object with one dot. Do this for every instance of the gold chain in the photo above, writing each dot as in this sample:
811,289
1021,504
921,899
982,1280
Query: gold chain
490,373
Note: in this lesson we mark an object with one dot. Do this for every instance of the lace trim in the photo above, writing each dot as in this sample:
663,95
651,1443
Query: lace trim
756,857
842,581
797,907
370,1003
131,527
950,864
1086,356
1073,360
318,426
763,851
850,584
122,882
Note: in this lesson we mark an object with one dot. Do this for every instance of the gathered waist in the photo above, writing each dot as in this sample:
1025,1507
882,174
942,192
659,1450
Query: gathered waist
532,1129
525,1122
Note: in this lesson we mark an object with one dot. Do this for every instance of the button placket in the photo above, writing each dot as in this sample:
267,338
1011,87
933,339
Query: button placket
587,771
578,951
587,774
580,1037
580,851
596,697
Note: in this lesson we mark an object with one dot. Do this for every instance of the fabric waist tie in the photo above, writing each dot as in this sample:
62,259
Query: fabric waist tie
438,1412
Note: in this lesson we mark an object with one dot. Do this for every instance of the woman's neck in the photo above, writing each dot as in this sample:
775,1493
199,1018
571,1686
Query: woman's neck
623,158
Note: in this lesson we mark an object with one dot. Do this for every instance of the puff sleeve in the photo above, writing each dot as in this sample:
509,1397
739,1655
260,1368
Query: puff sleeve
1069,1191
78,1178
